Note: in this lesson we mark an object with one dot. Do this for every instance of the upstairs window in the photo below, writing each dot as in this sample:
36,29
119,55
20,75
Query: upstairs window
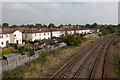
44,33
1,36
1,43
6,35
14,35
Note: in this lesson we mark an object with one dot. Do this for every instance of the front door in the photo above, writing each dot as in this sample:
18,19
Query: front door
17,41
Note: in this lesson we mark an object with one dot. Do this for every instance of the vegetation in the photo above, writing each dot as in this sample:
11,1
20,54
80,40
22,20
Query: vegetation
110,29
117,66
116,62
51,25
91,36
94,25
7,50
73,40
35,67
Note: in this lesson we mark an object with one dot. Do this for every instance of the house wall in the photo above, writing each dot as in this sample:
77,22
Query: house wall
40,36
88,31
17,35
61,33
70,32
55,33
45,35
27,36
4,39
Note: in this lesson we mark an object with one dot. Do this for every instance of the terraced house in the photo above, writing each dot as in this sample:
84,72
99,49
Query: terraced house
36,34
10,36
16,35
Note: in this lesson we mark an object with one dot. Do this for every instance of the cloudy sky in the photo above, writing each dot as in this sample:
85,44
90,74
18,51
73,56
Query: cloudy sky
60,12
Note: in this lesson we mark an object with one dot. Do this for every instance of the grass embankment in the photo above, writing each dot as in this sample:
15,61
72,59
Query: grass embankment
91,36
116,62
45,65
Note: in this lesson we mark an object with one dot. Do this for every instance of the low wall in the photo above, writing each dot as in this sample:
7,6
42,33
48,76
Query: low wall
16,62
11,64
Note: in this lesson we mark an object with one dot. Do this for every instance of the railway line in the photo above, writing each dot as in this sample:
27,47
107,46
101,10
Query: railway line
87,64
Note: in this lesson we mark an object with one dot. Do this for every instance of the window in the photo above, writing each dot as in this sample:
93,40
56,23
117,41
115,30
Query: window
6,35
14,35
7,41
40,34
35,34
1,43
1,36
44,33
48,33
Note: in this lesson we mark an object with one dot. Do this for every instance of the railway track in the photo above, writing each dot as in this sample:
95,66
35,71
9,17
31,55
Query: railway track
98,70
73,69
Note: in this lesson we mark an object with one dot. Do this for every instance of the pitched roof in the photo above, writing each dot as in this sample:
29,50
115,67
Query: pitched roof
7,31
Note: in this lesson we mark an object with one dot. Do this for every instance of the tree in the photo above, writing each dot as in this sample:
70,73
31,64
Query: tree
69,24
60,26
44,26
22,25
104,32
51,25
5,25
38,25
78,40
14,26
73,40
87,25
95,25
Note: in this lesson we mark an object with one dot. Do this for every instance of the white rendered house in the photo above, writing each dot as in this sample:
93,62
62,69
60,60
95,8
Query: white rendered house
10,37
37,35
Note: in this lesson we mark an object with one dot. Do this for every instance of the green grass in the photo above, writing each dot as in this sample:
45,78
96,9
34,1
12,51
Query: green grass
28,54
16,51
7,50
30,45
116,62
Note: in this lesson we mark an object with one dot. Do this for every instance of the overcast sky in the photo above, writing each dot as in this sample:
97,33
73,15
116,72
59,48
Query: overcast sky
59,12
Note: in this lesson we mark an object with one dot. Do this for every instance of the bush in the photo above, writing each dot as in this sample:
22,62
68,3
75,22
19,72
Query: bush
7,50
73,40
15,46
